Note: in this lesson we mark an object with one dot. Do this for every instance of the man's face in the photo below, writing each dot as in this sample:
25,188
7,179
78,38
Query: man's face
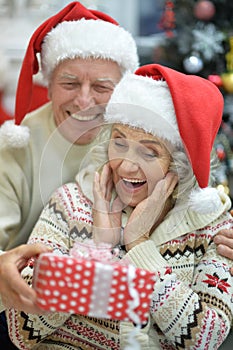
79,90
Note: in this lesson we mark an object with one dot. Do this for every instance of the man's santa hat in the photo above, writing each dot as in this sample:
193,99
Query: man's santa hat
183,109
73,32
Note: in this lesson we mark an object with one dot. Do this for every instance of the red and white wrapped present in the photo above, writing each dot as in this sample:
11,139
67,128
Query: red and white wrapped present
85,285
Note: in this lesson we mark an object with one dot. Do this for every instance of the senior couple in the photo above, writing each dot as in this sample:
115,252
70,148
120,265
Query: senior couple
153,179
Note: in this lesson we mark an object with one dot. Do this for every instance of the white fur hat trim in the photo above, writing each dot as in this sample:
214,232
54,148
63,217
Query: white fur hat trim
11,135
205,201
88,38
144,103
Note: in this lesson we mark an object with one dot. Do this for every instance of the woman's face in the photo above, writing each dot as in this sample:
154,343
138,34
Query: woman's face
138,161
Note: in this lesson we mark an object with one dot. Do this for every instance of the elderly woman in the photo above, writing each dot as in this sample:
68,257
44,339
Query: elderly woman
151,199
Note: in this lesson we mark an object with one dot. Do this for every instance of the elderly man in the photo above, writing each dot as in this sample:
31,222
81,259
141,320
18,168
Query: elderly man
83,55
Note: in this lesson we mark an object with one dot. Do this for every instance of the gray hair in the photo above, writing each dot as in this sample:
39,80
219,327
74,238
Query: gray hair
180,165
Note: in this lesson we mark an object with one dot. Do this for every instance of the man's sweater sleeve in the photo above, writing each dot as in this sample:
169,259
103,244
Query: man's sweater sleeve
51,229
14,193
2,308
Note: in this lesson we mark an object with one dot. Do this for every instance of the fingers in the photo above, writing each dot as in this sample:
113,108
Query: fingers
117,205
163,189
224,244
30,250
14,291
224,239
171,180
225,233
17,293
225,251
103,184
106,183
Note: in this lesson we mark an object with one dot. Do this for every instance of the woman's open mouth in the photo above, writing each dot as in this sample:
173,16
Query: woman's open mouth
133,183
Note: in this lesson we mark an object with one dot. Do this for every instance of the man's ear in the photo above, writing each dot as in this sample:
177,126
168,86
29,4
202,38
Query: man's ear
49,91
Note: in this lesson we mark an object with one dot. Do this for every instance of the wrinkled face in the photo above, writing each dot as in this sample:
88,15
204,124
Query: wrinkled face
79,90
138,161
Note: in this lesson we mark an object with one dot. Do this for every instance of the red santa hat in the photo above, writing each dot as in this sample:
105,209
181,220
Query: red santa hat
75,31
180,108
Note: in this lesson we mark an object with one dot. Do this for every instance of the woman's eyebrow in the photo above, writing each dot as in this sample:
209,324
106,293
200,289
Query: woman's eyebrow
120,132
157,143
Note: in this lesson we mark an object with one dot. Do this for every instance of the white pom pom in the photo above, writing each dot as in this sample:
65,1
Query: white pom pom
11,135
205,201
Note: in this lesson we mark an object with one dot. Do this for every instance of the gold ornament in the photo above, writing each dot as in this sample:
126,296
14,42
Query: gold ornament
227,82
227,77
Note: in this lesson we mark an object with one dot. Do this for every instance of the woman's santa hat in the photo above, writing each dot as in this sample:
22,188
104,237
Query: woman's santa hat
180,108
73,32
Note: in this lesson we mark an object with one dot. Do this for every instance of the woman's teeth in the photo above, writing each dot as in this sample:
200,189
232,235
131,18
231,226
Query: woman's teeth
133,182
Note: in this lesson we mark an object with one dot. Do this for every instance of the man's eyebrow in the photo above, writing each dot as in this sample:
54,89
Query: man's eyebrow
68,76
107,80
74,77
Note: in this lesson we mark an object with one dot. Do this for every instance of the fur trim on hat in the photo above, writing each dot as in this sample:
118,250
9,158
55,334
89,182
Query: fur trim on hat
144,103
11,135
205,201
88,38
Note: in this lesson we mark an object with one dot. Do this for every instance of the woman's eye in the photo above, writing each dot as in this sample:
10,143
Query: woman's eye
120,143
150,154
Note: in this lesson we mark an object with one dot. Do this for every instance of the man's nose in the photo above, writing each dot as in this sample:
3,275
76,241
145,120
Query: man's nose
84,98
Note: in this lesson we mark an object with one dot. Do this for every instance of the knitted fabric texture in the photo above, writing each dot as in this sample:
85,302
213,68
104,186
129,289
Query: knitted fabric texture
191,305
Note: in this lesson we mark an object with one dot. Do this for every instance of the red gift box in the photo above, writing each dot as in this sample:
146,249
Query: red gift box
93,288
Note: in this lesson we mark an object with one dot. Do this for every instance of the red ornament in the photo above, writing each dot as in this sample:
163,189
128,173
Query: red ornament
220,153
204,10
215,79
167,21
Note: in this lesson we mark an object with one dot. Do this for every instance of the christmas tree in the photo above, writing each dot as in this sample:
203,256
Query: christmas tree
199,40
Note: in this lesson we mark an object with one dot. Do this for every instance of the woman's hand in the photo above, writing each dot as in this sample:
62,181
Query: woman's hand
149,212
106,213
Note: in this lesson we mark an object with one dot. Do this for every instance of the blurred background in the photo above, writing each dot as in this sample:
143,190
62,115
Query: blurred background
192,36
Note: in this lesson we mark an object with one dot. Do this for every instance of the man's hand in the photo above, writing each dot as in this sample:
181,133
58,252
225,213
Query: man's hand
14,291
224,243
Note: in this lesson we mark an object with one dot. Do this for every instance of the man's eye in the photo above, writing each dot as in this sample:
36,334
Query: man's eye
69,85
103,88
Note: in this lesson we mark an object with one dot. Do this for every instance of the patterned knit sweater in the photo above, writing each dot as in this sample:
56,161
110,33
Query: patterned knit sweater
191,307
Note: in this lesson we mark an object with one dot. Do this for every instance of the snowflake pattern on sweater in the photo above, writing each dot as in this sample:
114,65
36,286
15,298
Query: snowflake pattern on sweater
192,302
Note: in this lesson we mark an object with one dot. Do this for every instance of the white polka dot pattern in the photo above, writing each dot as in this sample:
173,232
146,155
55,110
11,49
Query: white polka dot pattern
88,287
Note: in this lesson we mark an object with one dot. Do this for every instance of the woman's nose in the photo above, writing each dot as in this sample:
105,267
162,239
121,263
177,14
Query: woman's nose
129,165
